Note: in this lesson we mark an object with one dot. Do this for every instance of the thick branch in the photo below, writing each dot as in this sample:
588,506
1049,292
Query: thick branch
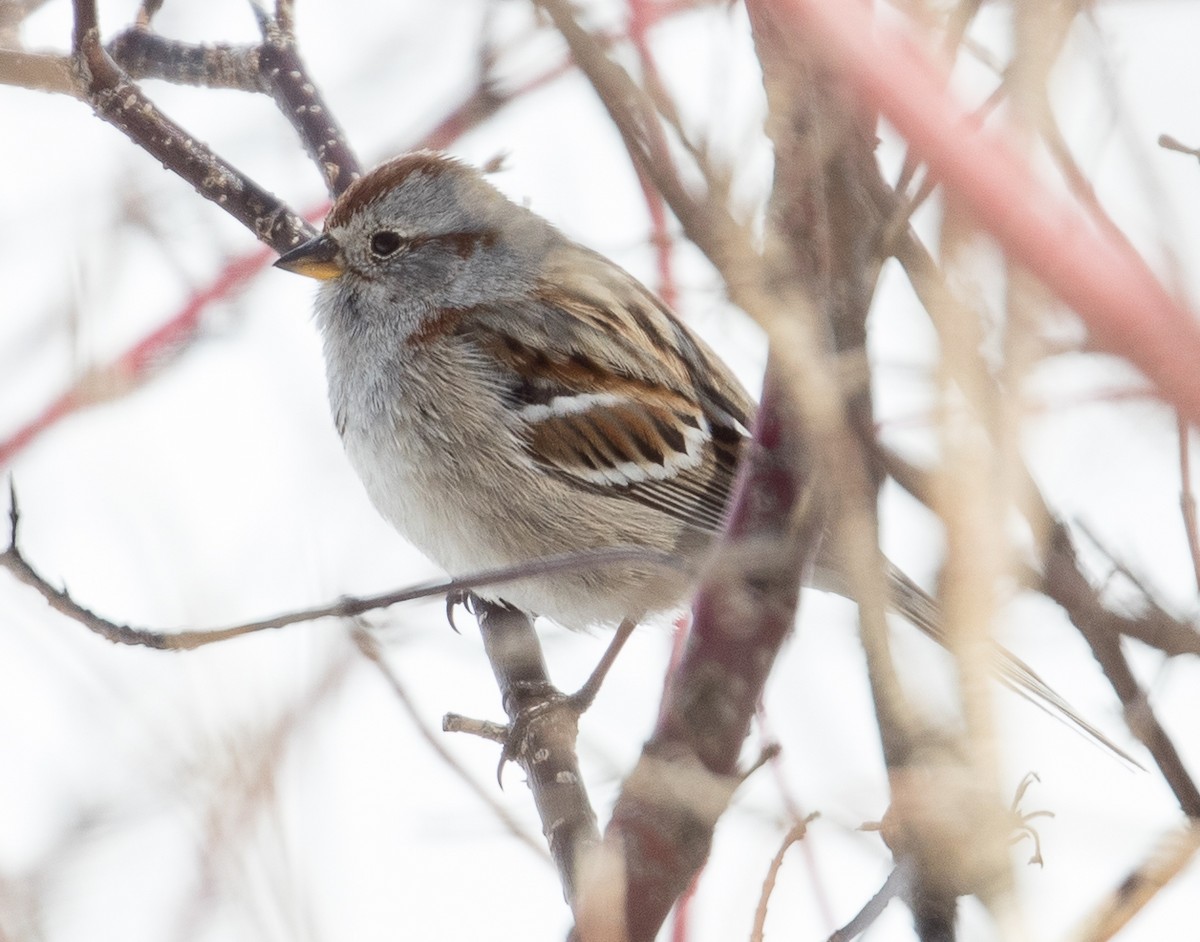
548,728
661,829
144,54
274,68
826,227
119,101
43,72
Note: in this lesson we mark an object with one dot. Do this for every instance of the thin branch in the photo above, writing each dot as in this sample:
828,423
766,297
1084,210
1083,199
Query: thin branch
1154,626
58,599
1187,498
706,223
1166,860
1073,592
1169,634
368,646
873,908
285,16
794,835
639,22
482,729
85,22
1167,142
245,785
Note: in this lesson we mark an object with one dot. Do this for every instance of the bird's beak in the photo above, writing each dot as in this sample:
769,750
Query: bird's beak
319,258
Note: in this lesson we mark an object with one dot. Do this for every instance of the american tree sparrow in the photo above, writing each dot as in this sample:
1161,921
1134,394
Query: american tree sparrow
506,394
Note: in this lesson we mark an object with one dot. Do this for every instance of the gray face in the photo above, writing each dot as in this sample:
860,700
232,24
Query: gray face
423,234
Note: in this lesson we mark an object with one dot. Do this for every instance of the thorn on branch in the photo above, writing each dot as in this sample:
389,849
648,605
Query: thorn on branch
14,514
1167,142
768,754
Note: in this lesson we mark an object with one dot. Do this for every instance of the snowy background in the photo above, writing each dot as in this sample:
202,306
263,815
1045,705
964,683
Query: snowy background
273,787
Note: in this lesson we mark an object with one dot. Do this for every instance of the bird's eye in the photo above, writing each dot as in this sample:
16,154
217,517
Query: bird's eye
385,243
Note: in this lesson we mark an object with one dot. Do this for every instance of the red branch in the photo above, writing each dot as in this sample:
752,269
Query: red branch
661,828
1127,310
139,361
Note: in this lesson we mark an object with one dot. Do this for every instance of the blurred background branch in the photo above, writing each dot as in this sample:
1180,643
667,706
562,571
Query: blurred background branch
199,487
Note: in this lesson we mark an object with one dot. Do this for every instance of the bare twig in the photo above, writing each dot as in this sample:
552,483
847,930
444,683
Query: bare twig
1069,587
246,780
58,599
706,223
793,836
369,647
639,22
873,908
1187,498
1153,626
1163,864
483,729
1167,142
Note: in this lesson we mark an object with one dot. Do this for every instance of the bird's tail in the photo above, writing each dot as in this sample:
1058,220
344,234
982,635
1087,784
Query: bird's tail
914,604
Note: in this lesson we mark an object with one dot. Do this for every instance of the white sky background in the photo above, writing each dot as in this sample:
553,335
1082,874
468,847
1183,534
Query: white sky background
138,799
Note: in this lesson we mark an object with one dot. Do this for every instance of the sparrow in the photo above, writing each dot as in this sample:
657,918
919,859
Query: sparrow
506,394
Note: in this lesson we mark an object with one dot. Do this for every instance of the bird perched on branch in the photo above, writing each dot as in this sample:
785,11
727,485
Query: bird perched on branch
506,394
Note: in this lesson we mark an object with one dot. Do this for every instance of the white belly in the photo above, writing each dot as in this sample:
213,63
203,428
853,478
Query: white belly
471,508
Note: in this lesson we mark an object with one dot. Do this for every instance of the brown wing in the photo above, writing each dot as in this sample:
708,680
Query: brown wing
610,391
